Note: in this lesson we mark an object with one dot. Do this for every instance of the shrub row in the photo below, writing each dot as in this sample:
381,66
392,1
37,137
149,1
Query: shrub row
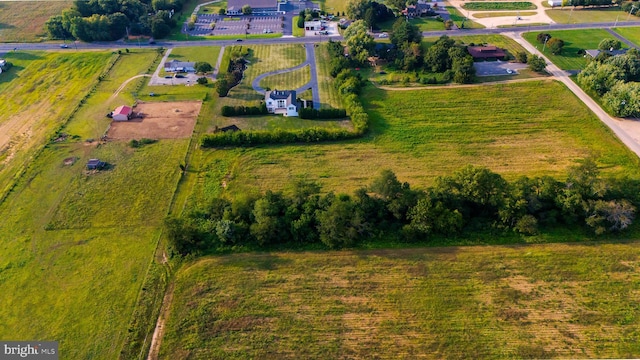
244,110
309,113
252,138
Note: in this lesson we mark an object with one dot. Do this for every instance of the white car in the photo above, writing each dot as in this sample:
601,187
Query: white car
509,71
383,35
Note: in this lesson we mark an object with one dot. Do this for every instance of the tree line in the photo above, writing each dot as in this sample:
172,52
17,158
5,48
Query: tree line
108,20
473,199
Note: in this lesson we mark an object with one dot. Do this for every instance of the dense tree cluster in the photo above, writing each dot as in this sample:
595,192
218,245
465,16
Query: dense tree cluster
536,63
371,12
237,65
471,200
445,55
105,20
617,80
358,41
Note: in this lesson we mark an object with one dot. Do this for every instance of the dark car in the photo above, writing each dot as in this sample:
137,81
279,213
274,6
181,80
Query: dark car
238,39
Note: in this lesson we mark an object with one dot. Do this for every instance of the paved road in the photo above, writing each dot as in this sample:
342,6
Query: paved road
312,84
563,76
623,39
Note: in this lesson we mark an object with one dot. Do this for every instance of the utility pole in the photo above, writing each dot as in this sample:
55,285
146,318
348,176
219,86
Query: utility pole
546,38
631,11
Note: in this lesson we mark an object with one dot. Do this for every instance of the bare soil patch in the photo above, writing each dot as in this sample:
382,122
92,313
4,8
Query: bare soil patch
161,120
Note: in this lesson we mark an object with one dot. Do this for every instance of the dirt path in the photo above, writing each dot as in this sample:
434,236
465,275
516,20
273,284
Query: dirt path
125,84
158,333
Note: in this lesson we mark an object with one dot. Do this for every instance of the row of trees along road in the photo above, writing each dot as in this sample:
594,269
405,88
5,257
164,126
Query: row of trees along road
107,20
471,201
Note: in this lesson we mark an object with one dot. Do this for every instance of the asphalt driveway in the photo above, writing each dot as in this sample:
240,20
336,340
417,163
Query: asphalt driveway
493,68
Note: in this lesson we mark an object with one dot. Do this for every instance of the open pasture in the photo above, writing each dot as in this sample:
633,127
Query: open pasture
532,301
507,128
160,120
23,21
574,41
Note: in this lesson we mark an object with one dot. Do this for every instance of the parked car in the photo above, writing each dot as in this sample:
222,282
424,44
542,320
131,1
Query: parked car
509,71
179,76
64,46
383,35
238,39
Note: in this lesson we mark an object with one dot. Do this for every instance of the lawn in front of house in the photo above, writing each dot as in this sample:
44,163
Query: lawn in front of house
630,33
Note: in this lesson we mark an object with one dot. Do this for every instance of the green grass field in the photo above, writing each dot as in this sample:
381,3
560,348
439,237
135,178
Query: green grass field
458,19
290,80
23,21
501,41
441,131
38,95
297,32
503,13
579,15
329,96
77,246
200,53
491,6
535,301
212,8
630,33
574,40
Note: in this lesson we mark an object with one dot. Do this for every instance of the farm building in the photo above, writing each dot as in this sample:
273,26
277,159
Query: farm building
95,164
234,7
486,52
122,113
179,66
281,102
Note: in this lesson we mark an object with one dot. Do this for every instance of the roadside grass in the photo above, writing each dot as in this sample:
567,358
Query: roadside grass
181,37
458,19
23,21
332,6
578,15
212,9
78,285
197,53
423,23
39,94
531,301
491,6
297,32
574,40
630,33
289,80
522,25
503,14
329,96
501,41
442,130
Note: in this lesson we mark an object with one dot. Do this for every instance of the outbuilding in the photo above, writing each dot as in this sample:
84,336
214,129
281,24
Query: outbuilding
122,113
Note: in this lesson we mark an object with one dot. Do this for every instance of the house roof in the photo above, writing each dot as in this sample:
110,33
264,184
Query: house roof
488,51
594,53
281,94
255,4
177,64
122,110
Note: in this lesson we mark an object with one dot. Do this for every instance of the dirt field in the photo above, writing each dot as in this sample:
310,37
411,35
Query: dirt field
161,120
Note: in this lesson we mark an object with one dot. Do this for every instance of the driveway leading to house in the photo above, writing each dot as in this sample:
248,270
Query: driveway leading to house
628,131
311,85
493,68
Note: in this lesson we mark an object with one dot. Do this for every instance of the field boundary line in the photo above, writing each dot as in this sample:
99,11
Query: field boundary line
440,87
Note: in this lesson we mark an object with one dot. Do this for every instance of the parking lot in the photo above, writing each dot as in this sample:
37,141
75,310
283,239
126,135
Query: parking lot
235,25
493,68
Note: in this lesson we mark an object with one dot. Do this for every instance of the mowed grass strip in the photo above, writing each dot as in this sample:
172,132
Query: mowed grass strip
289,80
502,14
200,53
23,21
535,128
329,96
585,15
630,33
457,17
489,6
538,301
498,40
574,41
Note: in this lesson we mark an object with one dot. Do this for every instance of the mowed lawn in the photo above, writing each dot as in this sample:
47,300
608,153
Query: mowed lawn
289,80
23,21
535,128
537,301
582,15
630,33
574,41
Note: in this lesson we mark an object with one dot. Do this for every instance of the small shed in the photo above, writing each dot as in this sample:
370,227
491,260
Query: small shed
95,164
232,128
122,113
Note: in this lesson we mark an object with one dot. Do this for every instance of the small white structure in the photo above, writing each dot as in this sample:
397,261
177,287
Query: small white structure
313,25
122,113
554,3
179,66
281,102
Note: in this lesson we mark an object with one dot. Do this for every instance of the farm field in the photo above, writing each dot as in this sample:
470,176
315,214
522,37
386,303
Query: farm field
492,6
200,53
36,102
630,33
531,301
23,21
574,41
76,244
579,15
443,130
